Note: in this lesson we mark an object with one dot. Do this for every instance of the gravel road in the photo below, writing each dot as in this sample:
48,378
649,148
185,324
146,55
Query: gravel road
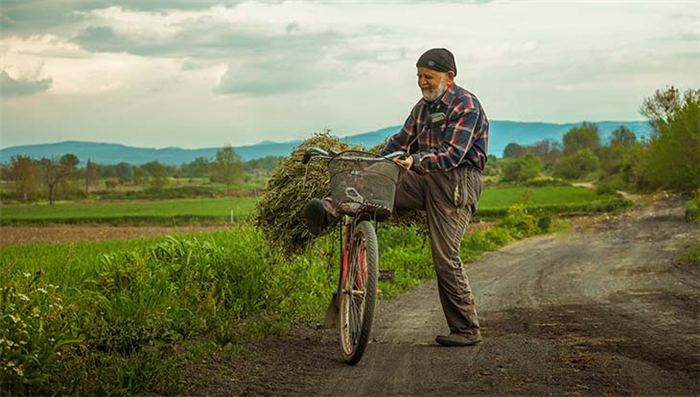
604,309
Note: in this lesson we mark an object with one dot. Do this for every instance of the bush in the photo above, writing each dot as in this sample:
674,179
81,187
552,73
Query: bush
577,165
521,169
545,181
673,155
544,223
605,188
518,222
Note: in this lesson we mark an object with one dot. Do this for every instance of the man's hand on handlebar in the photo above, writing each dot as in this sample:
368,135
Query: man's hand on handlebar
406,162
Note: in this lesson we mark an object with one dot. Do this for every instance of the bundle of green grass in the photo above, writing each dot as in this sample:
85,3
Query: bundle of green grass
279,212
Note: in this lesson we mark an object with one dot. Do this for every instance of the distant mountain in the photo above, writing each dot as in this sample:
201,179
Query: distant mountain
501,134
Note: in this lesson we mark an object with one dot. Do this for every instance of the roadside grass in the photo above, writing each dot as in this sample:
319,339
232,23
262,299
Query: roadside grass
493,204
692,257
123,317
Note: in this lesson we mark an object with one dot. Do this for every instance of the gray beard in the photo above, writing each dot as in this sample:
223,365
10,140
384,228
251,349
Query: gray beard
432,95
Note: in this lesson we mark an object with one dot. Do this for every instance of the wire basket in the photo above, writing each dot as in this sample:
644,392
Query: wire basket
363,182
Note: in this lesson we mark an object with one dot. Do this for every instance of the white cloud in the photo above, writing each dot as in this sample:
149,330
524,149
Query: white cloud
153,71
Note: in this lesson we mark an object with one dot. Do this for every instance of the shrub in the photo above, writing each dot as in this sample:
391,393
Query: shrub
518,222
544,223
605,188
577,165
521,169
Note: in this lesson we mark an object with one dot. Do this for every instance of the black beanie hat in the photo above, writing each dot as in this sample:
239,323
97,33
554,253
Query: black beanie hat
439,59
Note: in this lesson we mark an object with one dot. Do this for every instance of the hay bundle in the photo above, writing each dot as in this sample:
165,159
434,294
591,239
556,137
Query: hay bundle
279,213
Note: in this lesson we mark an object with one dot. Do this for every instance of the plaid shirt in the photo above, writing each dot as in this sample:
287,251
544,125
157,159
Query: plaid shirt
461,140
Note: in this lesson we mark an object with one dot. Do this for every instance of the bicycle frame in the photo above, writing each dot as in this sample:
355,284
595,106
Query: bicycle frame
346,245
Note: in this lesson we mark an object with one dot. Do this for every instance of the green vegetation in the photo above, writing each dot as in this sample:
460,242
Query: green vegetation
158,212
522,169
692,257
120,318
494,202
667,160
29,180
547,200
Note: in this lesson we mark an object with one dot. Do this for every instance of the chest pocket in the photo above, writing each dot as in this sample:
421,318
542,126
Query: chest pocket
436,125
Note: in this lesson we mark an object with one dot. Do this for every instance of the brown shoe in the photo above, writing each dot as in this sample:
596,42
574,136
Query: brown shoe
458,339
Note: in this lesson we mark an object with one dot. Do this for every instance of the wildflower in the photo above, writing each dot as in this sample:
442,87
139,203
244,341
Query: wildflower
43,291
18,371
23,297
27,275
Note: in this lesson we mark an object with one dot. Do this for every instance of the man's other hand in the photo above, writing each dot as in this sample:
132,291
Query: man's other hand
405,163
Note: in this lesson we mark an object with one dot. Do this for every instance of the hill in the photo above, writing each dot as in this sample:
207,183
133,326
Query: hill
501,134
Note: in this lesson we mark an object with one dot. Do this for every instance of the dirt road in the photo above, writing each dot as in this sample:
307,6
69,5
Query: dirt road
605,309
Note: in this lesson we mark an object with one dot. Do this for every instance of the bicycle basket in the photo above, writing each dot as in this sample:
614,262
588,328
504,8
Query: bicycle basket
363,181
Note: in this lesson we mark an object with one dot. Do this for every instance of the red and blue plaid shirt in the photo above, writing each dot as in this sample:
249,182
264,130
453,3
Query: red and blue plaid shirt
462,139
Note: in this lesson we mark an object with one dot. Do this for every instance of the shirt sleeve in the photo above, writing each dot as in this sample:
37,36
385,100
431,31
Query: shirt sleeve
457,139
401,139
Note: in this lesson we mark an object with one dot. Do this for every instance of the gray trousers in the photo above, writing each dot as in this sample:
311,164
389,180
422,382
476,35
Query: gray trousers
449,199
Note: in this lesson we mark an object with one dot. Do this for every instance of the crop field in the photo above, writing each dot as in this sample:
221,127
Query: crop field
493,203
547,199
132,212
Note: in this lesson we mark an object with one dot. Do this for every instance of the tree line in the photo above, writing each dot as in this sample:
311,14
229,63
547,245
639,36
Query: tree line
668,159
43,177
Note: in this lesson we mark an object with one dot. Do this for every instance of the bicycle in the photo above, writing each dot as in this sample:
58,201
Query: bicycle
363,186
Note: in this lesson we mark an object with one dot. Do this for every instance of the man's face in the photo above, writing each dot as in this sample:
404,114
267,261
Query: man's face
433,83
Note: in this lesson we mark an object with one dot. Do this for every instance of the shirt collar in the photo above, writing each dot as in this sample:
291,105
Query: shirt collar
449,94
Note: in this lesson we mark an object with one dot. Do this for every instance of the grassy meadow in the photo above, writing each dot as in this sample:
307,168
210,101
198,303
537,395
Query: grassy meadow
493,204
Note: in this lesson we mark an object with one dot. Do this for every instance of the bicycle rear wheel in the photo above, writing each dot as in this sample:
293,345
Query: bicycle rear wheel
359,293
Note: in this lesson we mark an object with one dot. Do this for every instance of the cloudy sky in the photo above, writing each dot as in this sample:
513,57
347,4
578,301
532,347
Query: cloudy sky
194,74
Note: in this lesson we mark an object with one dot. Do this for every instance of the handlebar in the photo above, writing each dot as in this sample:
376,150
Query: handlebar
314,151
320,153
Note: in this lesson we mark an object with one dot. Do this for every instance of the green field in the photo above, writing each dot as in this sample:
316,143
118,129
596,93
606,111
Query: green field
548,199
133,212
493,203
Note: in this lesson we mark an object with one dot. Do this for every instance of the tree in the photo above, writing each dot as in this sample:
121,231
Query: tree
577,165
522,169
585,136
23,172
197,168
56,171
512,151
90,176
623,136
159,174
125,172
228,168
672,160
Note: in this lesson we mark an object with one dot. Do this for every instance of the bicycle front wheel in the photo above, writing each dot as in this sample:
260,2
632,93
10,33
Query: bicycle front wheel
359,293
